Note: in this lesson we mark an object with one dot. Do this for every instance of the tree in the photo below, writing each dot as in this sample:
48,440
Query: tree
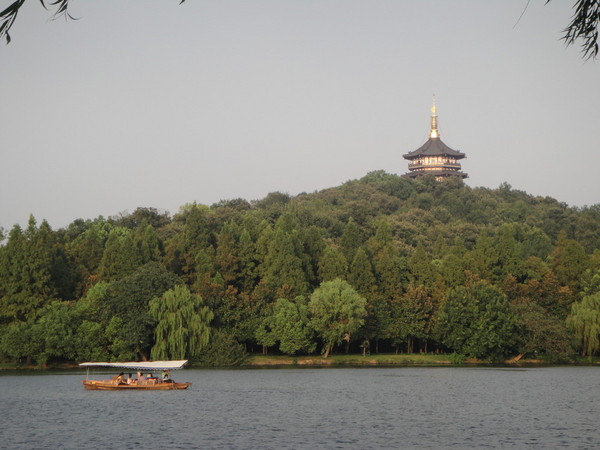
56,330
248,262
142,217
361,275
128,300
475,321
392,279
584,26
121,256
538,330
350,240
422,272
283,267
332,264
182,329
264,333
147,242
223,350
337,311
411,317
569,262
585,322
33,271
226,256
288,325
508,259
193,235
87,249
91,342
17,342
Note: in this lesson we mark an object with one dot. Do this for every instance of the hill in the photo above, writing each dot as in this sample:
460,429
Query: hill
436,266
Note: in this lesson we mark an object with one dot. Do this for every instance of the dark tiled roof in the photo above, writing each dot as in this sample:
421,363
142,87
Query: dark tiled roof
436,173
434,147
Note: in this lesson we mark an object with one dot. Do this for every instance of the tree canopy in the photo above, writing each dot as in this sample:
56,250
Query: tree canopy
337,312
378,264
182,329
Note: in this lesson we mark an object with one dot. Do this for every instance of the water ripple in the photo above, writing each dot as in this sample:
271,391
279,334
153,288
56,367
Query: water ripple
311,408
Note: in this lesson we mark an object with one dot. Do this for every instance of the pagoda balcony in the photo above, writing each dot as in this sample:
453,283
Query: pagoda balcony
443,165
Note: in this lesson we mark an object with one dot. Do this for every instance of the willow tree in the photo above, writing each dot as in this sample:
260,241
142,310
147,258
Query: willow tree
585,321
183,327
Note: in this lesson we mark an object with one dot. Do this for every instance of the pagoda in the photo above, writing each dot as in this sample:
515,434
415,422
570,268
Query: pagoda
434,157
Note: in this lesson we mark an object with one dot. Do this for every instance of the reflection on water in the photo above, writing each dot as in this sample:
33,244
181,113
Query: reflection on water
311,408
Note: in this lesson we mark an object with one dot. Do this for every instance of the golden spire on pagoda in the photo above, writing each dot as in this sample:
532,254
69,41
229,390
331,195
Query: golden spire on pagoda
434,133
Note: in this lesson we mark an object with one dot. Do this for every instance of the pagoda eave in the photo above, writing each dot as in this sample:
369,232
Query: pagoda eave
436,173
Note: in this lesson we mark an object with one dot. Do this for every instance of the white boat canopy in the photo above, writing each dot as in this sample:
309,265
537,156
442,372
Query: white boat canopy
142,365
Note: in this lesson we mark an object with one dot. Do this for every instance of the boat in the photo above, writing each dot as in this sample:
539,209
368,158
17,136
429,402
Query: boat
141,382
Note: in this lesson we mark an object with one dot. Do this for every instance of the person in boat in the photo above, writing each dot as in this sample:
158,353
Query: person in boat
130,379
165,375
150,378
120,378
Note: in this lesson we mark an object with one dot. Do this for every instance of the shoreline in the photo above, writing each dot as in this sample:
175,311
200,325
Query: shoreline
382,360
412,360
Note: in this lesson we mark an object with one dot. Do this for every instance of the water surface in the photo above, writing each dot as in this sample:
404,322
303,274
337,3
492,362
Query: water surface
311,408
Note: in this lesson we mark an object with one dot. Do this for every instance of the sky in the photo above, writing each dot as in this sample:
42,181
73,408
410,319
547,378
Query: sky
155,104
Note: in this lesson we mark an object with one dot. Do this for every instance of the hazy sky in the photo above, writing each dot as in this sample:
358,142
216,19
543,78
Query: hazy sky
152,104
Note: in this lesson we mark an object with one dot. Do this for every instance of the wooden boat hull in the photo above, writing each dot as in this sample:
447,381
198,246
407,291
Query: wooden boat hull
110,385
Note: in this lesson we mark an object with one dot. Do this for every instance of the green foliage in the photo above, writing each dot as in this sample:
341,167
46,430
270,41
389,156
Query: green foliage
17,342
411,317
457,359
475,321
182,324
223,350
92,282
283,267
422,272
288,325
585,321
227,260
569,261
56,331
337,311
350,240
539,332
121,255
119,342
128,300
87,248
361,275
34,270
332,265
91,342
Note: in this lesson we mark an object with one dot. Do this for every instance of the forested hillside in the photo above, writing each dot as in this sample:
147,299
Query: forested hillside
380,264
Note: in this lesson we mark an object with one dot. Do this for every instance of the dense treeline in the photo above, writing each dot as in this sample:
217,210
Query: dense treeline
380,264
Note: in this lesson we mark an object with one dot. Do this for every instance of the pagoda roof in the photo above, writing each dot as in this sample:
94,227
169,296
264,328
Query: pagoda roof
436,173
434,147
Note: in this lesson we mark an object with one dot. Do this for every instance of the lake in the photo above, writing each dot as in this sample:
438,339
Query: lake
370,408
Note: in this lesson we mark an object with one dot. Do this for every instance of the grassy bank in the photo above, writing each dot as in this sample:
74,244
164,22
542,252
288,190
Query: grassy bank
417,360
353,360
